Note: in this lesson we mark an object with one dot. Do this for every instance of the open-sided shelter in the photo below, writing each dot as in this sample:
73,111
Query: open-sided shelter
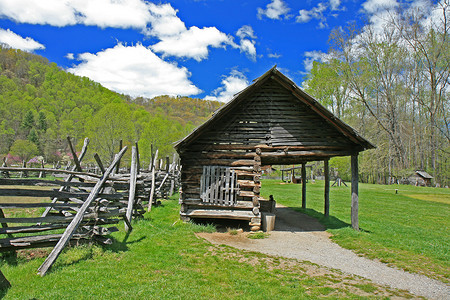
270,122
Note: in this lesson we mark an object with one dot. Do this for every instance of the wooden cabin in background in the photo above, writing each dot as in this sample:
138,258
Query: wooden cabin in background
420,178
271,122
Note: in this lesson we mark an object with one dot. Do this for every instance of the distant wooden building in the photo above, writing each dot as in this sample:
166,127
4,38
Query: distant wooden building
270,122
420,178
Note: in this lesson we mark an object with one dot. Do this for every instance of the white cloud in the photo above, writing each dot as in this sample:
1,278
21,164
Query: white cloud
177,40
274,10
311,57
248,47
157,20
380,13
135,70
334,4
274,55
304,16
192,43
112,13
231,84
52,12
70,56
164,21
314,13
317,12
247,43
246,31
15,41
372,6
102,13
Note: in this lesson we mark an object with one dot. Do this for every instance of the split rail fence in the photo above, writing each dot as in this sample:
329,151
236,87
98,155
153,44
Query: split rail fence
84,206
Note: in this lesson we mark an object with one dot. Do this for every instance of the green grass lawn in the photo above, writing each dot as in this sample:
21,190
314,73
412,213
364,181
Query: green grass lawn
162,258
409,230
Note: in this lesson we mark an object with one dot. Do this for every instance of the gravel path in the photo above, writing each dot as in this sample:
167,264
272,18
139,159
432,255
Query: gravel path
301,237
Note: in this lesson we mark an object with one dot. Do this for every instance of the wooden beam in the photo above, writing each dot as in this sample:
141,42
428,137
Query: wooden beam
326,171
99,163
304,185
65,238
131,195
4,224
52,194
74,155
355,198
118,163
138,159
152,192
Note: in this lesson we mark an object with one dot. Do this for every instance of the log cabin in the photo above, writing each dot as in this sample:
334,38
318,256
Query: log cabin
271,122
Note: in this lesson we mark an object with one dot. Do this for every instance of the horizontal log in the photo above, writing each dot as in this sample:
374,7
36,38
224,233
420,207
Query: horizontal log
246,194
34,205
244,173
56,171
61,219
53,194
221,162
306,153
247,183
192,189
42,182
222,155
28,240
48,227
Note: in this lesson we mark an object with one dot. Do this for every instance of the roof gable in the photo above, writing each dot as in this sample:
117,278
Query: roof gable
274,110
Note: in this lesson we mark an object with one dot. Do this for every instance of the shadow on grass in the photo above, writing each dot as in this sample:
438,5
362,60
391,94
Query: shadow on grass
306,220
330,222
3,292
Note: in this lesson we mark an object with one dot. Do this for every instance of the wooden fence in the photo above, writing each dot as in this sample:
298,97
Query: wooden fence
83,206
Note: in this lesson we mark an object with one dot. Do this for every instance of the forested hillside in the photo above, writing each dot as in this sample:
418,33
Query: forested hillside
40,105
392,85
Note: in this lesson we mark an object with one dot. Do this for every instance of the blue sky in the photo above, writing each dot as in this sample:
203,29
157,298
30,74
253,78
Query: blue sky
199,48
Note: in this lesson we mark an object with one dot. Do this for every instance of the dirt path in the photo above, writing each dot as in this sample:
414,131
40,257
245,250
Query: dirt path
301,237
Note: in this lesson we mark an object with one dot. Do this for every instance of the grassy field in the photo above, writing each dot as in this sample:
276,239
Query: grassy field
409,229
163,259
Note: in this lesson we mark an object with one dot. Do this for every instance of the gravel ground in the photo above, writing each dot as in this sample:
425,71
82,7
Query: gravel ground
299,236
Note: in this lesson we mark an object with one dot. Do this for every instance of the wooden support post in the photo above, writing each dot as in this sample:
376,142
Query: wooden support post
152,191
42,173
24,173
355,198
326,170
74,155
131,195
138,159
167,164
304,185
99,163
118,163
4,165
4,225
65,238
150,166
